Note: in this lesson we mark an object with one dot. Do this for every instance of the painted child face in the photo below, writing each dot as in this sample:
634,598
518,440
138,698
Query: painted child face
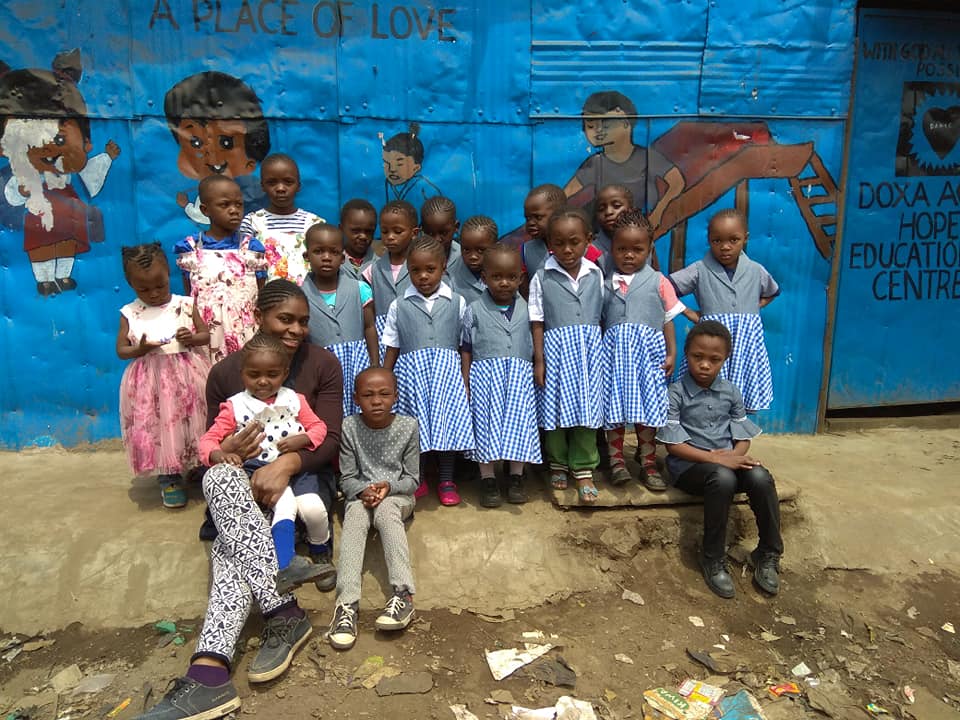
263,373
442,226
537,210
727,237
224,207
473,244
705,356
280,180
216,147
398,167
396,232
376,394
606,129
630,249
568,242
289,322
65,154
502,274
324,253
358,228
426,271
611,204
152,284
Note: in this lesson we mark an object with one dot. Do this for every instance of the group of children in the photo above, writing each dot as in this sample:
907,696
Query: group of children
498,353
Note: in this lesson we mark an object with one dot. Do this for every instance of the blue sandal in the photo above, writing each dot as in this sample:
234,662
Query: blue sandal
588,494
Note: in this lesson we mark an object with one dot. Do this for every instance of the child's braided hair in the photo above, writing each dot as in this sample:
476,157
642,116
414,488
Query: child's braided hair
427,244
438,205
481,223
143,256
633,217
401,207
261,342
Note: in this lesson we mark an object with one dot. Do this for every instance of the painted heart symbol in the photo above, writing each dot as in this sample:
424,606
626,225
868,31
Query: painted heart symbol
942,128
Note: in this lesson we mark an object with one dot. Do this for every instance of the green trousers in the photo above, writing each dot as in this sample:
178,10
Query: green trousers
574,448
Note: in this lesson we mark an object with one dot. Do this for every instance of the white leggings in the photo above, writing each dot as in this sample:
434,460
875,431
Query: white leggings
311,510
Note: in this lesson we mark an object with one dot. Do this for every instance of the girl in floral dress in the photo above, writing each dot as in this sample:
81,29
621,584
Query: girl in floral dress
282,226
222,269
162,407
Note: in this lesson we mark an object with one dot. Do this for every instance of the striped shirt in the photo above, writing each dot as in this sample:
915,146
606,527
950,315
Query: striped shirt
295,223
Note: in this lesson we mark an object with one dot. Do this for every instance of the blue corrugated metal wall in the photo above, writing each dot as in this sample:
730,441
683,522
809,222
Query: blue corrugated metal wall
497,87
900,261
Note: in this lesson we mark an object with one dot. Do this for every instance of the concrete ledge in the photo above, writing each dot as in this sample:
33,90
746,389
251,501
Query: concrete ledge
634,494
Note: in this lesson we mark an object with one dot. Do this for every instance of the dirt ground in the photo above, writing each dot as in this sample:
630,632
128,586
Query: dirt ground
870,583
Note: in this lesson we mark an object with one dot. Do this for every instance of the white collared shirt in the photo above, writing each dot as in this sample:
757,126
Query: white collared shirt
389,338
535,299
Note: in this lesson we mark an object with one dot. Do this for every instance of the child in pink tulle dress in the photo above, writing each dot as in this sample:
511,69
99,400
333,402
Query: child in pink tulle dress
223,269
163,410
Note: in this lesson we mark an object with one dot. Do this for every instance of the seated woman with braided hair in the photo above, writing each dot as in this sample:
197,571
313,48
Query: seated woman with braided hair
243,559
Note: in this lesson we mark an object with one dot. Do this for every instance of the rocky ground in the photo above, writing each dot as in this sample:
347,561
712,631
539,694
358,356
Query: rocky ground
866,606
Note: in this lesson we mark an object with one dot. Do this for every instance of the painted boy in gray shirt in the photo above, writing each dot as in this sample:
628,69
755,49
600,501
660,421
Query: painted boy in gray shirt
380,470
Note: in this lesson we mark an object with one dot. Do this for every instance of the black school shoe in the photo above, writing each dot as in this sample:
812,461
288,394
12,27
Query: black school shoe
515,492
716,573
324,559
208,531
766,571
490,493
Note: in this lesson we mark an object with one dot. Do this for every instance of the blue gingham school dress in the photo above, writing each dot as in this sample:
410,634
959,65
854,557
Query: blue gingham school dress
635,350
343,322
748,366
385,291
429,379
573,392
502,399
734,302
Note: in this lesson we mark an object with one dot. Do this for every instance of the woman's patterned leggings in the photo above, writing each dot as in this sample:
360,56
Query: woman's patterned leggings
243,562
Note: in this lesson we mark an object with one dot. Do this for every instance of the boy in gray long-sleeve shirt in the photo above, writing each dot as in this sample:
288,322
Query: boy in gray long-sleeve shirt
380,471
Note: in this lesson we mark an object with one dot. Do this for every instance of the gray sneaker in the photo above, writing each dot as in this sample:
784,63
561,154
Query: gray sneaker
343,628
189,700
282,637
398,612
299,572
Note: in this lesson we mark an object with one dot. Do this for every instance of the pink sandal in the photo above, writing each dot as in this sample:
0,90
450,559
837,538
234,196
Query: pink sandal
447,492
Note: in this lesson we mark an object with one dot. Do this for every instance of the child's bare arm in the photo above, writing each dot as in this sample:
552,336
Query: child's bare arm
127,350
466,359
186,283
764,301
219,456
670,338
200,335
370,334
691,315
539,367
292,443
390,357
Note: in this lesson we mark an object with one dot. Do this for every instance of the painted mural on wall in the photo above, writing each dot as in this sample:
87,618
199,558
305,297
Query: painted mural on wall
218,125
691,166
403,156
51,177
400,100
900,264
